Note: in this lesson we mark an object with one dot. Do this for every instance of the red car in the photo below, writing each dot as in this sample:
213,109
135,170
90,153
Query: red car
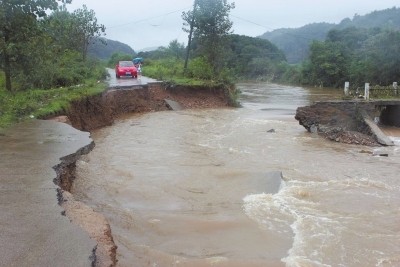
125,68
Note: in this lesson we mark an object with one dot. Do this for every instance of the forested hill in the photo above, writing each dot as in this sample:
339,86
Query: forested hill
103,48
295,42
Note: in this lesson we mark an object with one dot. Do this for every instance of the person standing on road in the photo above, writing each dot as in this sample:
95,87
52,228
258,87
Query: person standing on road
139,71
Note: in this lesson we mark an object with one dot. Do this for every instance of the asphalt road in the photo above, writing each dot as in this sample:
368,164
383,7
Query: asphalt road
33,230
127,82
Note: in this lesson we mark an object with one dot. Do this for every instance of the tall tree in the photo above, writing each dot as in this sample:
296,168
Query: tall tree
328,63
210,23
382,56
18,20
86,29
176,49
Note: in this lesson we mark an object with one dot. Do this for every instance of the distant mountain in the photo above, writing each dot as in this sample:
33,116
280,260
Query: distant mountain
388,18
295,42
149,49
103,48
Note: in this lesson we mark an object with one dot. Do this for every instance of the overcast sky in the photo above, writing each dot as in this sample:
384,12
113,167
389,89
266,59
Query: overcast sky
152,23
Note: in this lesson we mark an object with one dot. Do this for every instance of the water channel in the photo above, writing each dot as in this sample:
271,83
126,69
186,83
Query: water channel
203,188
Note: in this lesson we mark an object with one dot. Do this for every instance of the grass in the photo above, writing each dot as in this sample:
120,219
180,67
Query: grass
19,106
22,105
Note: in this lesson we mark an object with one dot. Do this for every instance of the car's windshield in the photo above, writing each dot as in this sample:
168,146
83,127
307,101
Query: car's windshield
126,63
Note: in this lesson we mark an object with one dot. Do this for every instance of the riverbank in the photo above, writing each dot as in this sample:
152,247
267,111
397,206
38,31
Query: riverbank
97,111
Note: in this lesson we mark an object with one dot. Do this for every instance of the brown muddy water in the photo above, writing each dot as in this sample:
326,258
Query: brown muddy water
202,188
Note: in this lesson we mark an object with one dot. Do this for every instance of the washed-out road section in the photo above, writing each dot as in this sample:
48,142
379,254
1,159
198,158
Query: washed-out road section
33,230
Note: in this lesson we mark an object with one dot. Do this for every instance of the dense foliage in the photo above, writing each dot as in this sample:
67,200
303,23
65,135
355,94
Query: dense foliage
209,22
43,58
296,42
34,103
357,55
244,58
40,49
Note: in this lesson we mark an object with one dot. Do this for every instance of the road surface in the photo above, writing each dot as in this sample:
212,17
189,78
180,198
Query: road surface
127,82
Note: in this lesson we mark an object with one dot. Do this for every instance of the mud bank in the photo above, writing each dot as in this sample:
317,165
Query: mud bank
95,224
99,111
339,121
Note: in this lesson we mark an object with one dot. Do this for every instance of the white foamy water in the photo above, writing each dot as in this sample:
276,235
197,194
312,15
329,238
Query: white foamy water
190,188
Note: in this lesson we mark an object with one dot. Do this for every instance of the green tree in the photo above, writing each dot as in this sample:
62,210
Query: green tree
328,63
61,27
382,56
176,49
252,57
86,29
18,25
210,23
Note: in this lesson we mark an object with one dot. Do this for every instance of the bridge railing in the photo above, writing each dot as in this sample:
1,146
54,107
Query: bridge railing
375,92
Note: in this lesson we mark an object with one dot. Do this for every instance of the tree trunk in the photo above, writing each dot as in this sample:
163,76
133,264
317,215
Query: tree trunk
7,72
7,63
190,39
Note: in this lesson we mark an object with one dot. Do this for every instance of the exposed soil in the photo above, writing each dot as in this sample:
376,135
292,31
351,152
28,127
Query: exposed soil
101,110
338,121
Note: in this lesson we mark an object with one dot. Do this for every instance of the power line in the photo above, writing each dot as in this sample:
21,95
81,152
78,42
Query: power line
252,22
268,28
150,18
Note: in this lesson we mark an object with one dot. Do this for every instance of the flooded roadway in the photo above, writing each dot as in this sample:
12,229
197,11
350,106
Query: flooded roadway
194,188
126,82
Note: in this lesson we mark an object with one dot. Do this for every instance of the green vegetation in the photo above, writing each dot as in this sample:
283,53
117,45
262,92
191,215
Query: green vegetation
209,25
296,42
43,47
103,48
356,55
39,103
45,54
44,51
244,58
359,50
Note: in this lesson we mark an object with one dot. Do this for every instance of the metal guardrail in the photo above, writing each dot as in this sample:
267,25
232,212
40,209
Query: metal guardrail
375,92
383,92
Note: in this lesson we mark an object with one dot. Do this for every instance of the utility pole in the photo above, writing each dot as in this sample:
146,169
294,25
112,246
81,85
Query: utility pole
190,38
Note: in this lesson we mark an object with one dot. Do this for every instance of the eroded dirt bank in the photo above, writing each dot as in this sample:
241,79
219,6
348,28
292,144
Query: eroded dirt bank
101,110
338,121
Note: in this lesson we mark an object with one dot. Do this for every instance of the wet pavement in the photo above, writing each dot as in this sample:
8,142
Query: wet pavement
33,230
127,82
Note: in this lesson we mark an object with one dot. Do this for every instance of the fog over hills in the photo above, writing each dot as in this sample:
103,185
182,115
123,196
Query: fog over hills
103,48
295,42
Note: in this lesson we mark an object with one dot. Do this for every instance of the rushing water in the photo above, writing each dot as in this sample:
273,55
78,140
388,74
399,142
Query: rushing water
192,188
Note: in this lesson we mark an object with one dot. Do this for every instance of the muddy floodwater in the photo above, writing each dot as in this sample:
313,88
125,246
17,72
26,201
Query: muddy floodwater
204,188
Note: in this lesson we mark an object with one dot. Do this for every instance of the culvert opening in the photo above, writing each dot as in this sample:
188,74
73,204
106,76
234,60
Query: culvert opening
390,115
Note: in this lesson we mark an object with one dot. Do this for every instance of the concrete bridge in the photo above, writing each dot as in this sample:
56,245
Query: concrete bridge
339,120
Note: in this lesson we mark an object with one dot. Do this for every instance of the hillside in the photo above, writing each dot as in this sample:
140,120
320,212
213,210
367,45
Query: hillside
295,42
103,48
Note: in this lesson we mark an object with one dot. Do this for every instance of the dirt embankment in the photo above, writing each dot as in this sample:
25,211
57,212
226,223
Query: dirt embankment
339,121
99,111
